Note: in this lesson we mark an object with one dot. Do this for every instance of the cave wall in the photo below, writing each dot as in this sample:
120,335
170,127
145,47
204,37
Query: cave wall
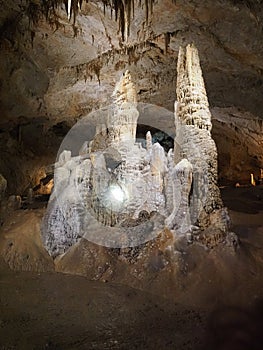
50,77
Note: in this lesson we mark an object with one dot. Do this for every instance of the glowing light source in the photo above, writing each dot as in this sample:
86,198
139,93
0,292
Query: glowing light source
116,193
115,198
252,180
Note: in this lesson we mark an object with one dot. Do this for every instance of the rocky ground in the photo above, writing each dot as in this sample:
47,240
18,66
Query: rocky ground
215,301
56,311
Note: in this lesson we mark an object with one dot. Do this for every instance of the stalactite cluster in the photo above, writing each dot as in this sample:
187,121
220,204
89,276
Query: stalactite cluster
36,10
123,11
128,54
132,52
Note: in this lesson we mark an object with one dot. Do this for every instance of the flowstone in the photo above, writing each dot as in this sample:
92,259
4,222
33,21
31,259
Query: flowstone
117,194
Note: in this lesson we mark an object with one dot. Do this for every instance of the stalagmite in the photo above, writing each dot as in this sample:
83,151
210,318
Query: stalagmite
122,179
252,180
180,219
193,137
148,140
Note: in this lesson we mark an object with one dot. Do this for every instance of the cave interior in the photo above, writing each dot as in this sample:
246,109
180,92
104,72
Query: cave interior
60,63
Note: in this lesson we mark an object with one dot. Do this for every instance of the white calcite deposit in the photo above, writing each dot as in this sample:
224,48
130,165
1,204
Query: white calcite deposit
119,194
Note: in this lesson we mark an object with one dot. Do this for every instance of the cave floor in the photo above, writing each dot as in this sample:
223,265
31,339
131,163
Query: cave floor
58,311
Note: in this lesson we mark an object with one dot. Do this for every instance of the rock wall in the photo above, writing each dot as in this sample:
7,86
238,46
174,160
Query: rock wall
238,135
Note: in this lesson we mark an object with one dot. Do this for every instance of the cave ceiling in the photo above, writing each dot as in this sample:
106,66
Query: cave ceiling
54,71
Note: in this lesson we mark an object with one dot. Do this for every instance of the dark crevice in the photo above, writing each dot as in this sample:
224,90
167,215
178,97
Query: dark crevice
61,129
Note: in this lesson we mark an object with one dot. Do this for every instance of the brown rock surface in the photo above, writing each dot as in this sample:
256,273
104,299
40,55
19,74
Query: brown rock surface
20,242
69,312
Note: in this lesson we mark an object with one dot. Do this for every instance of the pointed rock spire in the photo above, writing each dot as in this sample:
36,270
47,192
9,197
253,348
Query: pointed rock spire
193,138
193,106
125,90
148,140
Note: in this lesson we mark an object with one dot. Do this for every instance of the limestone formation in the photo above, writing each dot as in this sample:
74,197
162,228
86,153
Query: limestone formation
193,137
182,181
119,194
115,183
120,121
192,106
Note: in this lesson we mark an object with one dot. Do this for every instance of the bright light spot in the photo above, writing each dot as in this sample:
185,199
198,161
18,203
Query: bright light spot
252,180
115,198
116,193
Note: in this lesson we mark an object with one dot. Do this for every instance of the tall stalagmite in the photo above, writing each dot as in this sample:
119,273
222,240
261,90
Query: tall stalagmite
193,138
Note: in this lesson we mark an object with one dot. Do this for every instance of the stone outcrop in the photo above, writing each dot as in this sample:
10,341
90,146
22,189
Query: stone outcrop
120,122
192,106
182,177
116,183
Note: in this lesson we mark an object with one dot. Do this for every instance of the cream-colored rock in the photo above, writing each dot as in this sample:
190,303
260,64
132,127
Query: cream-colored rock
182,177
125,91
193,137
148,140
119,125
123,184
119,185
192,107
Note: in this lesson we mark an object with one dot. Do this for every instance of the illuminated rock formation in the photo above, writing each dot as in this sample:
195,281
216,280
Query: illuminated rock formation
134,191
193,139
120,123
180,220
192,106
114,182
